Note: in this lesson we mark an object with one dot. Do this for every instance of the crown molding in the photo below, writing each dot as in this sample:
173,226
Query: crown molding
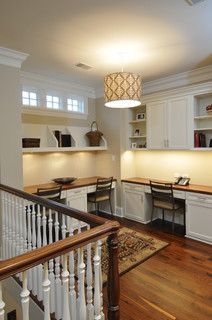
38,80
178,80
12,58
172,82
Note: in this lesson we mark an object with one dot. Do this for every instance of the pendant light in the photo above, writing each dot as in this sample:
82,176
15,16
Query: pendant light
122,90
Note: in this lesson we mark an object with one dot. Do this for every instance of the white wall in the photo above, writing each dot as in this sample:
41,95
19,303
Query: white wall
10,127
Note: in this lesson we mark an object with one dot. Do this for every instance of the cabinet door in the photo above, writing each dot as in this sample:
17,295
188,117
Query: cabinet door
199,220
178,123
156,126
134,205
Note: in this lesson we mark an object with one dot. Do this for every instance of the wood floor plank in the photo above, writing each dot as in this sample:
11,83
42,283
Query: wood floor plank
176,283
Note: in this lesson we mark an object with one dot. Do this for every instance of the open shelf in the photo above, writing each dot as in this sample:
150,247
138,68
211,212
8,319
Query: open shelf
137,137
137,121
65,149
203,129
49,143
137,128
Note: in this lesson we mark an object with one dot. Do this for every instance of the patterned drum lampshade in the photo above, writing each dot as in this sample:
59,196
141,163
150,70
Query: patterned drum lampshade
122,90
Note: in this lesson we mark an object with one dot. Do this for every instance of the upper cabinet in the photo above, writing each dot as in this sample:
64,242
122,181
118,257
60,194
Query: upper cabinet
168,124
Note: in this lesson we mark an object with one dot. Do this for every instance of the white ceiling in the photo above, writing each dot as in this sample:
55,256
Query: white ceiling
158,37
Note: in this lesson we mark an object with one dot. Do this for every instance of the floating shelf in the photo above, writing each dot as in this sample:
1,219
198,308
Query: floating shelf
201,149
138,149
71,149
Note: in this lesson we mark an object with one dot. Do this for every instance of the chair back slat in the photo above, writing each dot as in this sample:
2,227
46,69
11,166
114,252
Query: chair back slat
104,184
162,191
53,193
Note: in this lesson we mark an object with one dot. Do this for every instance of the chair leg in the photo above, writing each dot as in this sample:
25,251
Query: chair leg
173,220
163,214
111,209
152,214
98,207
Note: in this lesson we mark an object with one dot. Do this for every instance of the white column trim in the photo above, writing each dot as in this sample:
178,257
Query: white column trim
12,58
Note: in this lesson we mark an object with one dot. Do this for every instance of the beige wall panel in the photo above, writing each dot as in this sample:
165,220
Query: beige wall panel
42,168
164,164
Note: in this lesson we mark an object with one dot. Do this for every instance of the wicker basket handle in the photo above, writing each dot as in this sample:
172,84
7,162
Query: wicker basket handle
92,124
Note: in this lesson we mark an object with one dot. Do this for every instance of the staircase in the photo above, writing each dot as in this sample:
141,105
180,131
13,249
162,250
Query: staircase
54,252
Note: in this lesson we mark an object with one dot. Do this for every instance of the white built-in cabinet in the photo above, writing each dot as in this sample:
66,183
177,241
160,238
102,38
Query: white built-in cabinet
135,203
168,124
199,217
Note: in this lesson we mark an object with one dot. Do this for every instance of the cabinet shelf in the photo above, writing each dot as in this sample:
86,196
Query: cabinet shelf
138,137
203,129
137,121
205,117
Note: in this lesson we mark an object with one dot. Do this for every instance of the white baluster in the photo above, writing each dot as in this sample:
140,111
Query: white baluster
63,227
65,276
34,243
24,219
4,243
97,297
81,304
29,238
13,225
89,279
99,244
51,267
58,286
25,297
72,279
21,226
44,227
46,292
17,228
6,226
2,304
10,224
40,267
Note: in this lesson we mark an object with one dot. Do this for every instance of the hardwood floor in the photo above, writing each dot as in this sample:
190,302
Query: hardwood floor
176,283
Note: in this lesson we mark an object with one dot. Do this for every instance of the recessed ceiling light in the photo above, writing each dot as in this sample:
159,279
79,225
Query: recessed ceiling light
193,2
83,66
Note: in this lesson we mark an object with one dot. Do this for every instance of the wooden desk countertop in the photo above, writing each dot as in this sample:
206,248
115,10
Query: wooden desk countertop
81,182
189,188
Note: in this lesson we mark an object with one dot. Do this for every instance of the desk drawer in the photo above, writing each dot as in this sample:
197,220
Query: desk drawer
76,191
133,187
200,197
179,194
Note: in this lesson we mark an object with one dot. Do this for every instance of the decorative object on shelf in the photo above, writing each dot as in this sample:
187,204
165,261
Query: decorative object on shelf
30,142
94,136
140,116
65,180
196,140
57,134
209,109
65,140
210,144
122,90
202,140
142,146
133,145
137,132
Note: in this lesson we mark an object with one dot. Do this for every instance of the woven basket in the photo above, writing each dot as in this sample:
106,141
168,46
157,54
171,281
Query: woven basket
94,136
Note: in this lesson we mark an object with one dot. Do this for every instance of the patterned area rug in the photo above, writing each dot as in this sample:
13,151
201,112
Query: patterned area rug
134,248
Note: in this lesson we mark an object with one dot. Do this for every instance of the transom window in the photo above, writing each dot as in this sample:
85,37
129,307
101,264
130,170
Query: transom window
75,105
29,98
52,102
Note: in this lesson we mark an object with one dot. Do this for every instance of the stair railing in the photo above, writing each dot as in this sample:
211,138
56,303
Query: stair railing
56,253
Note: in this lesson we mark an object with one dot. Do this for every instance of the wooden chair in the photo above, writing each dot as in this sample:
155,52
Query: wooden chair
53,193
102,193
163,198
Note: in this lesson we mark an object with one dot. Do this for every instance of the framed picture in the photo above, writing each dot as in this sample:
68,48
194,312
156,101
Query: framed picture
137,132
133,145
140,116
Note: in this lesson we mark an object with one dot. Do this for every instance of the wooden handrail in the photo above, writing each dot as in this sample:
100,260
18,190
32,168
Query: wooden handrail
59,207
30,259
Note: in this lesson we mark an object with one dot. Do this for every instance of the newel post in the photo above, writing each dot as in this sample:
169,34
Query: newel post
113,278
